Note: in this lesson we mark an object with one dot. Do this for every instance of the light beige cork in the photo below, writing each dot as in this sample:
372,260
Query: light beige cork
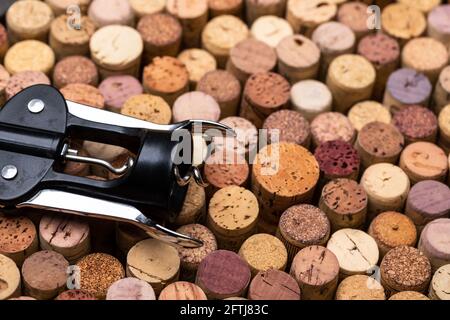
147,107
441,95
422,5
305,15
271,30
403,22
144,7
198,62
30,55
360,287
182,290
440,284
9,278
368,111
409,295
60,7
444,128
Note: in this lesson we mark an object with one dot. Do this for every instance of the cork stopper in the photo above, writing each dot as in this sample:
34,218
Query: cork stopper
194,206
438,24
305,15
29,55
360,287
59,7
352,72
9,278
444,128
182,290
111,12
84,94
424,5
365,112
75,295
259,8
195,105
273,285
127,235
380,49
402,21
416,123
130,289
23,80
441,96
409,295
225,168
75,69
222,7
440,284
142,7
338,159
330,126
271,30
311,98
198,62
434,242
118,89
355,15
147,107
288,126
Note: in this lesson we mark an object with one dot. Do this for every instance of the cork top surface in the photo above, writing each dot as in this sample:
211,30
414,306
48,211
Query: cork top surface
193,256
441,282
225,169
24,79
111,12
425,159
147,107
144,7
182,290
187,9
195,105
221,85
354,15
267,90
365,112
435,238
29,55
253,56
344,196
444,120
333,36
381,140
408,86
159,29
288,126
9,277
84,94
360,287
246,136
29,16
422,5
63,232
444,79
198,62
223,32
425,54
409,295
439,18
61,32
330,126
353,72
75,295
16,234
311,96
380,49
385,181
271,29
118,89
273,285
130,289
393,229
313,12
337,158
75,69
402,21
297,51
430,197
166,74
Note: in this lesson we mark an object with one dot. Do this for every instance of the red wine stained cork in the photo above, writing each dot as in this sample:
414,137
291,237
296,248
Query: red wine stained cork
271,30
407,87
316,270
444,128
330,126
193,15
195,105
75,69
311,98
283,174
356,16
258,8
4,42
166,77
434,242
249,57
143,7
223,274
147,107
75,294
23,80
198,63
161,33
4,80
59,7
366,112
264,94
440,284
130,289
68,41
118,89
44,275
288,126
405,269
111,12
28,20
425,5
232,216
441,95
182,290
273,285
306,15
360,287
417,123
224,88
409,295
222,7
356,251
439,24
29,55
127,236
9,278
383,52
84,94
194,208
351,79
392,229
338,159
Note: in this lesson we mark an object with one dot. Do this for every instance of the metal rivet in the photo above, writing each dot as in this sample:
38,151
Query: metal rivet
36,105
9,172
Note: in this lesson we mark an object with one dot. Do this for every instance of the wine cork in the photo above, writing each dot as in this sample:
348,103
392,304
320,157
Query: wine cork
232,216
271,30
258,8
75,69
345,203
127,236
147,107
311,98
28,20
356,251
405,269
441,95
273,285
264,94
360,287
193,15
440,284
263,252
106,12
434,242
44,274
9,278
223,274
29,55
292,181
198,63
194,208
116,50
23,80
222,7
249,57
143,7
4,42
337,159
301,226
166,77
392,229
79,169
288,126
444,128
195,105
423,5
330,126
306,15
18,238
4,80
224,88
439,25
23,298
155,262
383,52
409,295
84,94
356,16
68,41
351,78
75,294
59,7
162,35
366,112
118,89
182,290
221,34
403,22
107,152
416,123
333,39
130,289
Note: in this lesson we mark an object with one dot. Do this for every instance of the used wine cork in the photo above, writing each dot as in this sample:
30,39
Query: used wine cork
311,98
423,5
4,42
439,25
440,284
166,77
273,285
258,8
193,15
28,20
155,262
264,94
405,269
356,16
360,287
221,34
29,55
434,242
232,216
416,123
127,236
223,274
344,202
383,52
330,126
249,57
304,16
195,105
288,126
409,295
147,107
75,294
110,153
198,63
143,7
271,30
356,251
224,88
75,69
60,7
117,50
9,278
182,290
366,112
407,87
18,238
444,128
84,94
23,80
44,274
221,7
4,80
77,168
263,252
194,208
392,229
403,22
118,89
106,12
301,226
162,35
130,289
68,41
351,78
441,96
